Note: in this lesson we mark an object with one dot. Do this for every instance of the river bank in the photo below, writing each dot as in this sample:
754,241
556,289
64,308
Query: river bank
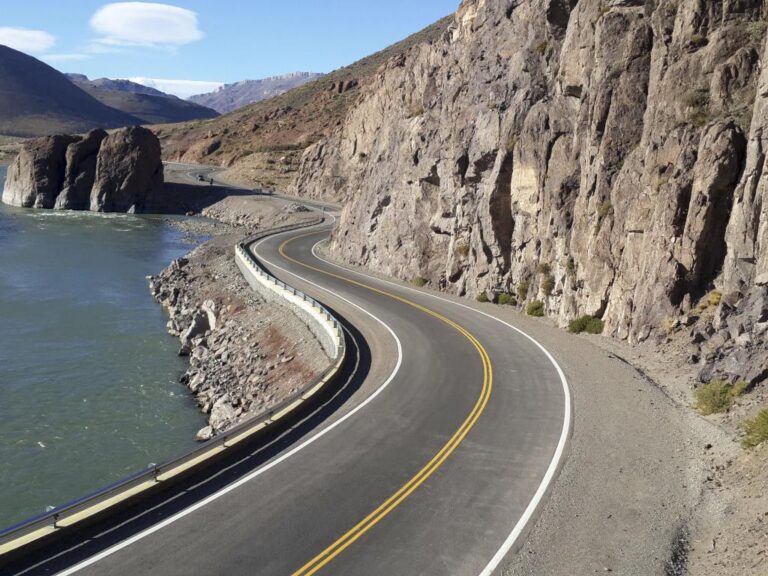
245,355
88,375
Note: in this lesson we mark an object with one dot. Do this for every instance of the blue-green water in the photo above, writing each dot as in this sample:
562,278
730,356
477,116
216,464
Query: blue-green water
89,386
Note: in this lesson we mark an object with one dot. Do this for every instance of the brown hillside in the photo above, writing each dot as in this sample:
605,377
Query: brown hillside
261,144
36,100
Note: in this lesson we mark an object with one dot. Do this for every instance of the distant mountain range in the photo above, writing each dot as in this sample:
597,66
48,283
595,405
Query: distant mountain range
232,96
36,100
150,105
116,85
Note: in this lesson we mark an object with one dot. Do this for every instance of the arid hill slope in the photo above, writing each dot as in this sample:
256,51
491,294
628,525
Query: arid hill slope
230,97
261,144
36,100
150,106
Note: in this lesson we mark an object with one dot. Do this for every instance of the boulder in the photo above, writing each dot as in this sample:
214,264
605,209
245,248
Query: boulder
36,175
204,434
129,172
199,326
222,413
119,172
80,172
209,308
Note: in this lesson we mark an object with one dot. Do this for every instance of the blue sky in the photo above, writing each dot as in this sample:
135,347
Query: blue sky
209,41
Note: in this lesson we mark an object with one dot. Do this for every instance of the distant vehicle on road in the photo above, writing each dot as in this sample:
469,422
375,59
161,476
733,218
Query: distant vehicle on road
200,178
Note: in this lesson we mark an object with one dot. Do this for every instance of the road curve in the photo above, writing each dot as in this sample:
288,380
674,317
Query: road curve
433,463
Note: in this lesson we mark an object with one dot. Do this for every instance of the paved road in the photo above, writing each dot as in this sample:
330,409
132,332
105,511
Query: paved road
449,426
191,172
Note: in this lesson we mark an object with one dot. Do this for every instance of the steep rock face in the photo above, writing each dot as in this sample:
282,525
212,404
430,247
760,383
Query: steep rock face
119,172
35,177
81,172
591,154
129,172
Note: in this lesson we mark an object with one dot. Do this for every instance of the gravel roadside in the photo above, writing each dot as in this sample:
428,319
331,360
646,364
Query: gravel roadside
630,491
625,499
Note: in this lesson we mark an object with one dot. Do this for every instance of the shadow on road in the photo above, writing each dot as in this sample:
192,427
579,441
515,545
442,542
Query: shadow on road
180,198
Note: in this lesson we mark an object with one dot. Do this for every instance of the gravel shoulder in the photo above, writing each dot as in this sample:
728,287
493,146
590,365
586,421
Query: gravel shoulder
729,527
625,498
634,484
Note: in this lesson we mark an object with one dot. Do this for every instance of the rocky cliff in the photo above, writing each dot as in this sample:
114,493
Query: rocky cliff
119,172
261,144
604,157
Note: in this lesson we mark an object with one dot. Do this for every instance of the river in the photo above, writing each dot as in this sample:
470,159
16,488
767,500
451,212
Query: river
89,386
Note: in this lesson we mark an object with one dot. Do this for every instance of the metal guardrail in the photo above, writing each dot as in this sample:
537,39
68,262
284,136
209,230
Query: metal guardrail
70,514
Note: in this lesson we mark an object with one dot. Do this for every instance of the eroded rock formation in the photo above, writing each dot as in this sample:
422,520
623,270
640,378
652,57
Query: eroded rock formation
80,173
606,155
119,172
36,176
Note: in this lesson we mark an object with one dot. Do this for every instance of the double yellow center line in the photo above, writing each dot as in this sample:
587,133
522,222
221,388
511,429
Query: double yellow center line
419,478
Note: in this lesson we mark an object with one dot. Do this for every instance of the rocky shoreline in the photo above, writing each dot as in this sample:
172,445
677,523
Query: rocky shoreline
244,355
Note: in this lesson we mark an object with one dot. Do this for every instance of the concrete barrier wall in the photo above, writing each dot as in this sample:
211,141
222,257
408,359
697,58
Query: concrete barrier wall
319,321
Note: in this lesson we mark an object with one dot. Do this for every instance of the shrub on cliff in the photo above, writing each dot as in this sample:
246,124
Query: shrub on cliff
483,298
586,323
462,250
717,396
756,429
507,299
548,284
522,289
697,102
535,308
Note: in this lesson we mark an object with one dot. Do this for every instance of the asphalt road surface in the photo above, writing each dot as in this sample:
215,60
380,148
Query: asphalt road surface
430,459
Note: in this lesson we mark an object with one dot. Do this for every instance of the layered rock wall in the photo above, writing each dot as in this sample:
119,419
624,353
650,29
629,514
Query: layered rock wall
119,172
605,157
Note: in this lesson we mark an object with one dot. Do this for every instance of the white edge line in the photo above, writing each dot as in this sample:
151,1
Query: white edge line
216,495
559,451
518,528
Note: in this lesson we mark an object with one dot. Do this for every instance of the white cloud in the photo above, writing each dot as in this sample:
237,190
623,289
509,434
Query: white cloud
65,57
31,41
180,88
145,24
